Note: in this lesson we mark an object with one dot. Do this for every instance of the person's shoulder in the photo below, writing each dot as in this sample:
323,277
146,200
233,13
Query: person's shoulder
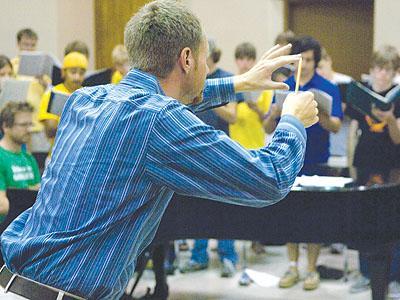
291,82
29,156
223,73
324,84
340,78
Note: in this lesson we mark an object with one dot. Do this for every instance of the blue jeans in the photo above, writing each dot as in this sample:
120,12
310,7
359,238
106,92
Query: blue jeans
226,249
394,265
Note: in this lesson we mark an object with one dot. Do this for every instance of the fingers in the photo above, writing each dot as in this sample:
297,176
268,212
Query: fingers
284,50
278,85
311,122
283,60
267,53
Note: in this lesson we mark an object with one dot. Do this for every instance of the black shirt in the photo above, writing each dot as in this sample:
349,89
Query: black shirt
375,150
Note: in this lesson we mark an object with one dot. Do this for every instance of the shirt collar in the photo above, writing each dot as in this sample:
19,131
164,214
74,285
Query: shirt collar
142,80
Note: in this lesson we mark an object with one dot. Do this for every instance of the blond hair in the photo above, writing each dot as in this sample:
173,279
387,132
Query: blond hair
157,33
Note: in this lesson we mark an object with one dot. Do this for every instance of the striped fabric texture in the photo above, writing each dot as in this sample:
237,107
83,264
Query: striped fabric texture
120,153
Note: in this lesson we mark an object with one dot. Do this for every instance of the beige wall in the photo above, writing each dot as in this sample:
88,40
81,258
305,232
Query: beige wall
231,22
56,21
228,21
387,23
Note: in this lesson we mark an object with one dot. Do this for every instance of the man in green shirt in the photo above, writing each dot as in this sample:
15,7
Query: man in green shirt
18,169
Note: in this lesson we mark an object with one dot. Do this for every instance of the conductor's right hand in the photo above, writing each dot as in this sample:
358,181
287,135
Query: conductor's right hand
302,106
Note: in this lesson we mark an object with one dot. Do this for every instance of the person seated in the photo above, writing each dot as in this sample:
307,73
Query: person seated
376,152
18,168
73,72
219,118
317,150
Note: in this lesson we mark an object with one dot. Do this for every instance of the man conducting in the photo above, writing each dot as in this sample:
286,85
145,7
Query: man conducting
121,151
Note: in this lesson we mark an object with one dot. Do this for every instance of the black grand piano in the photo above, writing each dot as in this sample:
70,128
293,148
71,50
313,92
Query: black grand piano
362,217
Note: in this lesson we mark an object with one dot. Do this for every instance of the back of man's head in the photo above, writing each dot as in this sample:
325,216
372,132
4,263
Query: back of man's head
304,43
157,33
245,50
8,112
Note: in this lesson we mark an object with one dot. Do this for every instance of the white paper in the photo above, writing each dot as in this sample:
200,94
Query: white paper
323,99
322,181
262,279
14,90
35,63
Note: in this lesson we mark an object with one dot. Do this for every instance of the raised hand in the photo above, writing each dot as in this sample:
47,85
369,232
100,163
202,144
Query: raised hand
259,77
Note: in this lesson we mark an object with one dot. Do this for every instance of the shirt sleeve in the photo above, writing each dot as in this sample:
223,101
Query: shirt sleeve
36,172
217,92
3,182
193,159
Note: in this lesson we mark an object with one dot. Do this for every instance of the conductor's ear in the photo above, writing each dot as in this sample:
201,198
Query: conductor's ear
185,60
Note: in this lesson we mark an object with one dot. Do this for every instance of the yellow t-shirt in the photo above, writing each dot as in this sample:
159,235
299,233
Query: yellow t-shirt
15,64
248,130
44,103
34,96
116,77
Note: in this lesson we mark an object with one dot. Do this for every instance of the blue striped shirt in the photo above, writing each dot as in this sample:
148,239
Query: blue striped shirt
120,153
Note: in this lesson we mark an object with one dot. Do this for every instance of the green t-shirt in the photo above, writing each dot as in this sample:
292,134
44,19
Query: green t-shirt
17,170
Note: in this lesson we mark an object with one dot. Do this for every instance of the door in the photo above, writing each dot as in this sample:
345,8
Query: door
344,28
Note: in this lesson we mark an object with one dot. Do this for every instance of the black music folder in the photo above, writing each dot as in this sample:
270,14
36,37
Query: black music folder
362,99
57,102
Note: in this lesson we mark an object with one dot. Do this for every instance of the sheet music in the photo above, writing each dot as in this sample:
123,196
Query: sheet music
280,97
14,90
322,181
323,99
33,63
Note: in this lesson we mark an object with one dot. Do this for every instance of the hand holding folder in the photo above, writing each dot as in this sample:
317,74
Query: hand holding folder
363,100
323,99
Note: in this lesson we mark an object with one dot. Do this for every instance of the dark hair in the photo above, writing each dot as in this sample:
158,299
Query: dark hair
285,71
305,43
9,110
26,32
77,46
245,50
4,61
285,37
